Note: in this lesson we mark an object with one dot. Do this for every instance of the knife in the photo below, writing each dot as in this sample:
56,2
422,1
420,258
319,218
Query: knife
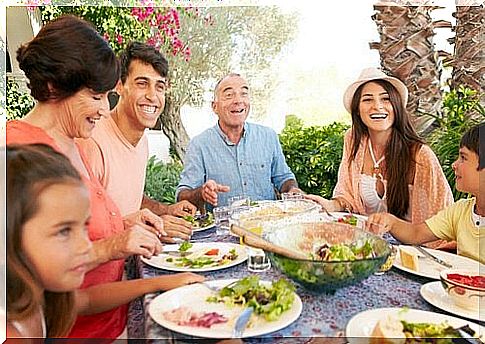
241,322
434,258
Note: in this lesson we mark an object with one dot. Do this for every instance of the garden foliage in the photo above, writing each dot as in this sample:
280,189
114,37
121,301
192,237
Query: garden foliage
313,154
162,180
455,120
19,103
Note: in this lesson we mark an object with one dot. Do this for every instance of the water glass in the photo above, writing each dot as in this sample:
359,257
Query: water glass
258,261
291,196
221,219
239,201
389,261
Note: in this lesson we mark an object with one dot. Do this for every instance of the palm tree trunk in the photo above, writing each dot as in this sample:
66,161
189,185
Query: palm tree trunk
468,61
407,52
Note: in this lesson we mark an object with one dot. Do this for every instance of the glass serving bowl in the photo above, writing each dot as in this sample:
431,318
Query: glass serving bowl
307,234
274,210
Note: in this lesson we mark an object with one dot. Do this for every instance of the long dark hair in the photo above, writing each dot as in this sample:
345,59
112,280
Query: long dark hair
30,170
401,149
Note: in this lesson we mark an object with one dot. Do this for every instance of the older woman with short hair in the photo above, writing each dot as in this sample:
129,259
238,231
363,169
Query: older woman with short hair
71,69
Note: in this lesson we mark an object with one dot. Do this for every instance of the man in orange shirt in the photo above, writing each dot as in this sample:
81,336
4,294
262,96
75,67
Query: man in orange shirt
118,148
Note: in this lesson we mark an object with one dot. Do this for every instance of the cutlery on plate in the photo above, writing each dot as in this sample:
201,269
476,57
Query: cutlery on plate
177,253
216,288
468,335
242,322
432,257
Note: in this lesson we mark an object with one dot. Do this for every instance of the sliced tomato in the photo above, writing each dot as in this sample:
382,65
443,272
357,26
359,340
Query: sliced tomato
212,252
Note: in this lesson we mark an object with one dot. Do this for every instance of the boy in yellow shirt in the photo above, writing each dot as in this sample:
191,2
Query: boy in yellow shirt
463,221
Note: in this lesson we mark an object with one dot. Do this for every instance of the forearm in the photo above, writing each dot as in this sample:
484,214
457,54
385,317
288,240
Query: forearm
100,253
288,185
411,234
194,196
107,296
153,205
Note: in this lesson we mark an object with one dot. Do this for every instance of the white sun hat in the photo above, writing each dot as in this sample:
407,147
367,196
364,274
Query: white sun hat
370,74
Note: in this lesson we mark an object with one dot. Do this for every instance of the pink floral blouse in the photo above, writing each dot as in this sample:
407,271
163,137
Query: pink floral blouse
431,191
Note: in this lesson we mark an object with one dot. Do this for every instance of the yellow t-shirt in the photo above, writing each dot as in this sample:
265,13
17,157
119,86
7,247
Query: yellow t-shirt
455,223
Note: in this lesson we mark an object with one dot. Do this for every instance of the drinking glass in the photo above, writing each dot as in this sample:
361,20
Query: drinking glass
258,261
389,261
291,196
221,219
239,201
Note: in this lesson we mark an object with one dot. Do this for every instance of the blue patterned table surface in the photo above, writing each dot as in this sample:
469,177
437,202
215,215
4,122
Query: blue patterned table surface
323,315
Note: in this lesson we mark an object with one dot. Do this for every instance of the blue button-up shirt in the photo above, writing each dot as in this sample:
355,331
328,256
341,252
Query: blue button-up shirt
251,168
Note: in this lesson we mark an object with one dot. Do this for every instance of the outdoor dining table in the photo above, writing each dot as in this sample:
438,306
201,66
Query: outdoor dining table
323,315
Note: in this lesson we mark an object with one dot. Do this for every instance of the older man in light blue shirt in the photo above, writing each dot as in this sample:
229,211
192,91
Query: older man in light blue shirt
234,158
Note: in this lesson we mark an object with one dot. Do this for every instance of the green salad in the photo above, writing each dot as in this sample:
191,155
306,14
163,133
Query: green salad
269,302
443,330
185,246
203,260
199,221
344,252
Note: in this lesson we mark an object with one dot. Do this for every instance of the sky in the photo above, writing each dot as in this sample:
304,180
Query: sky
328,53
331,49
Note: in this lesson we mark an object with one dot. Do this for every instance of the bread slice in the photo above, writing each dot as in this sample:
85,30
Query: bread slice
388,331
409,258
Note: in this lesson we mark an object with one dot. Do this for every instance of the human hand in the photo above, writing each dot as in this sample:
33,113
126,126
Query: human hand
175,227
210,190
329,205
145,219
182,208
295,190
181,279
380,223
135,240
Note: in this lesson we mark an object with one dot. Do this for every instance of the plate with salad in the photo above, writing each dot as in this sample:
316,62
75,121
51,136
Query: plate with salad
198,257
349,218
409,325
200,311
201,222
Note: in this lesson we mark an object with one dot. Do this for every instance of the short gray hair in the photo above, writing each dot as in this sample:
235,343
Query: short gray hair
221,79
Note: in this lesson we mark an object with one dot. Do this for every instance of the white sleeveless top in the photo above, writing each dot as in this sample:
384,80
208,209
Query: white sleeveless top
22,330
371,200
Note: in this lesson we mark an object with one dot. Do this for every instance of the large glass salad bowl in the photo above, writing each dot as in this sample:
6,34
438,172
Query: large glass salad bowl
339,254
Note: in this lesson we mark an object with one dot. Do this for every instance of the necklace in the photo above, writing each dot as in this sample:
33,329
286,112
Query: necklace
376,172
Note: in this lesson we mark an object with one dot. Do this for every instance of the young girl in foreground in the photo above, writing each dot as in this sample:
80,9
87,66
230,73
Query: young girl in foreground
48,248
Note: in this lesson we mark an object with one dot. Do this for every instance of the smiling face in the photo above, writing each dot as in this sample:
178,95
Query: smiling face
55,240
142,95
82,110
375,108
232,103
466,171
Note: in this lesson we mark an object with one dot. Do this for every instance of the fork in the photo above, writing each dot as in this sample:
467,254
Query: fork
328,213
211,287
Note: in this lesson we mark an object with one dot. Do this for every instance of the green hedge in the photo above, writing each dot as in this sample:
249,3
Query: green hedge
162,180
18,102
313,154
460,111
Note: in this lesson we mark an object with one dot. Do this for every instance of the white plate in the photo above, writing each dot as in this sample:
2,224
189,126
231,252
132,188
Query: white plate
161,263
200,229
428,268
363,323
434,293
361,219
194,296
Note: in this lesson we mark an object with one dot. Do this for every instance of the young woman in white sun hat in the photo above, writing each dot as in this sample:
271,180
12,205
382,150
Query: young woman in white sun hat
385,165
